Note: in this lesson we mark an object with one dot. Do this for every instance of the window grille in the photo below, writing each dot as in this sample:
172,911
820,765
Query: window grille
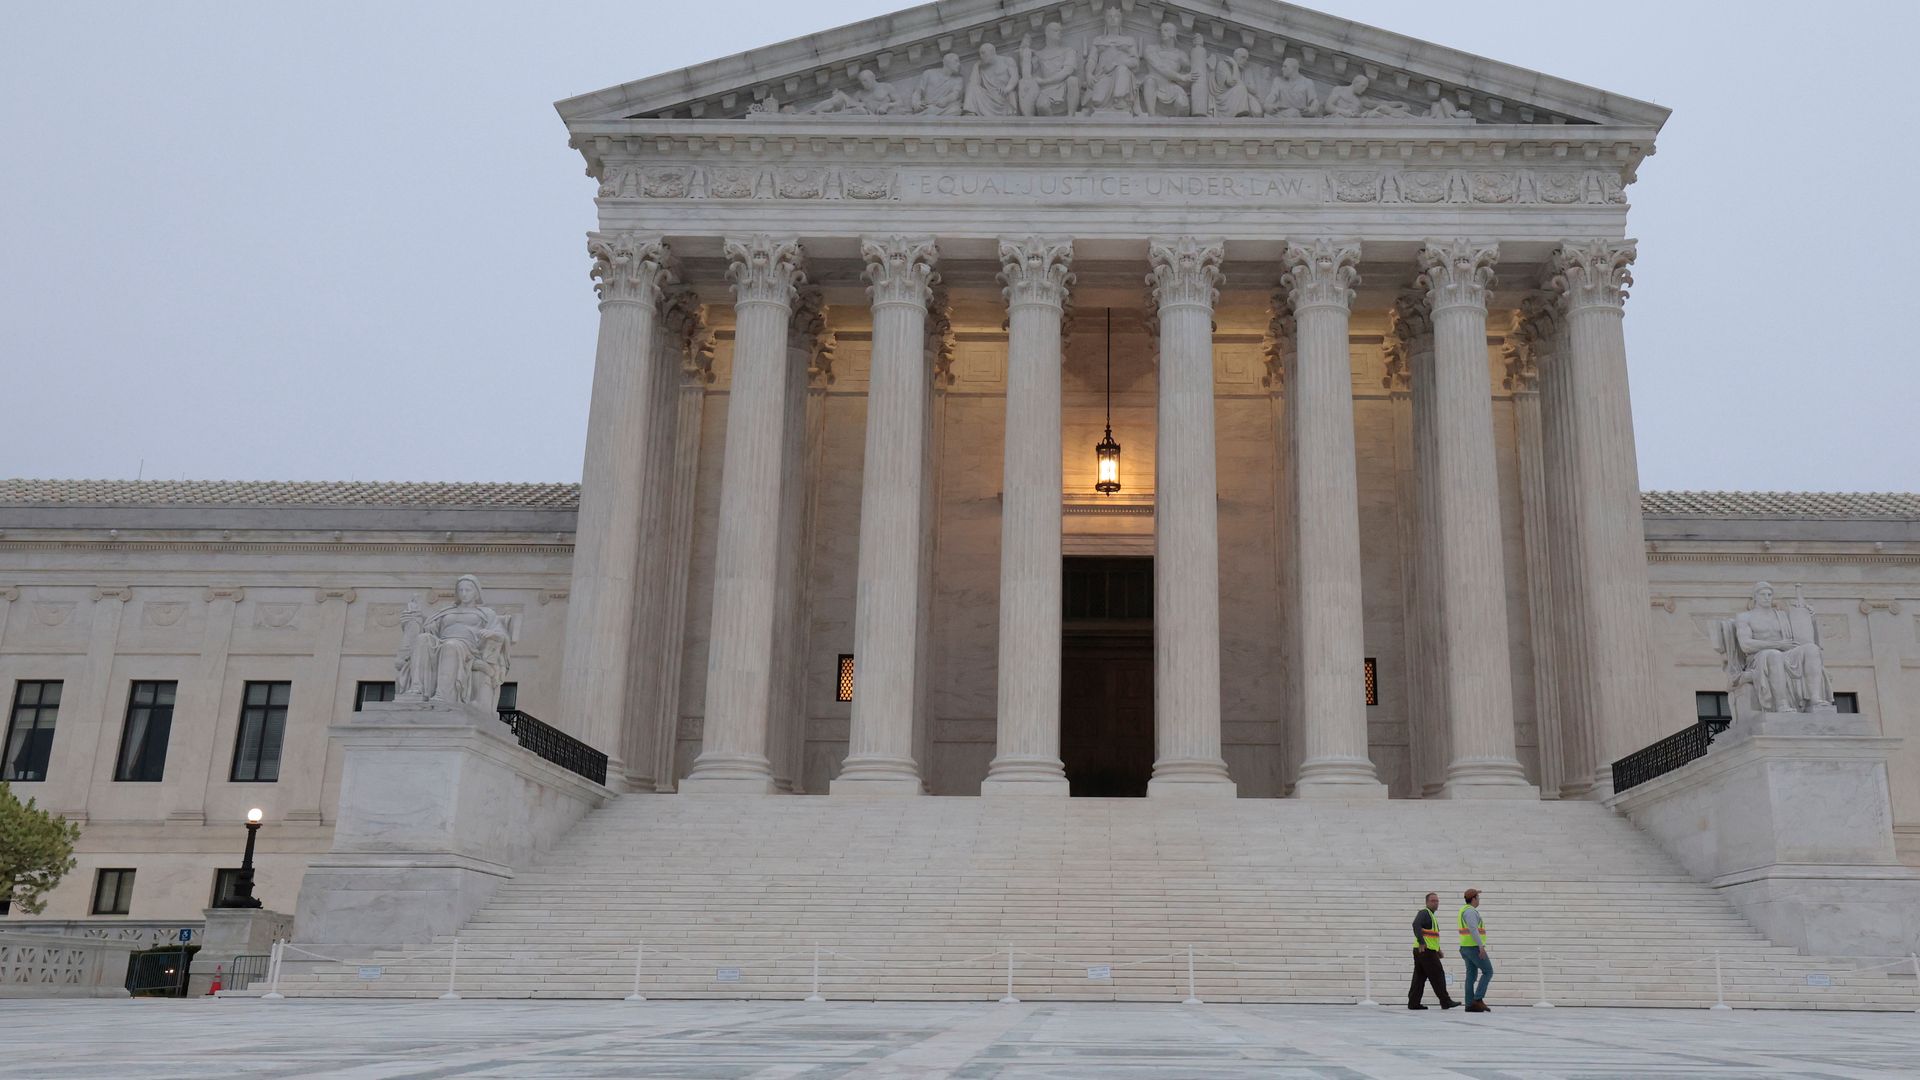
843,690
1373,681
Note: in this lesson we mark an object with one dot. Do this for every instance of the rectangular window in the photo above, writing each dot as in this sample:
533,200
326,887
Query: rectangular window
371,691
113,892
509,696
1711,705
843,690
263,727
143,742
1373,681
30,729
1847,703
223,886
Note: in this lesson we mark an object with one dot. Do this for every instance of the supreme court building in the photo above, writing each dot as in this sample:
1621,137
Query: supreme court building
1342,311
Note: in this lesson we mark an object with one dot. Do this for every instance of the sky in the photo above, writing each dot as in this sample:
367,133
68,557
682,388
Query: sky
345,240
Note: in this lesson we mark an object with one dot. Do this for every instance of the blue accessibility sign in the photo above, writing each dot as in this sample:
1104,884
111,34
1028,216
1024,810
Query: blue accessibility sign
186,934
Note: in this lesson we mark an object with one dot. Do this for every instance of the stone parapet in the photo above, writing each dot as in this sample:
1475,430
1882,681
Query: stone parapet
1796,830
438,807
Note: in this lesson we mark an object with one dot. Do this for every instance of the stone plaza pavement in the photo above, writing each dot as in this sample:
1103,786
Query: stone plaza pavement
141,1040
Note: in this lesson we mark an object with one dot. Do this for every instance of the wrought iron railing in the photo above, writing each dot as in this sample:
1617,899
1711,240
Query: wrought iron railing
556,746
1661,758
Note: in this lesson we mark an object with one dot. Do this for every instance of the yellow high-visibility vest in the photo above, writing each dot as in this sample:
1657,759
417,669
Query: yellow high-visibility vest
1468,939
1429,936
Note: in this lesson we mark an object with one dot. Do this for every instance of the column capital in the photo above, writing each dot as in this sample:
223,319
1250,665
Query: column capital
1592,273
900,269
1185,271
1534,333
765,269
1457,273
1036,270
1409,333
940,337
1282,345
630,268
1321,273
807,331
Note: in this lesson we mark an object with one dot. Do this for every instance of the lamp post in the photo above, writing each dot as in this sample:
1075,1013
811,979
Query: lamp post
243,886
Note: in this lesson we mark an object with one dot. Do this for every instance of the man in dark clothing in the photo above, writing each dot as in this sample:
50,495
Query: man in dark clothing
1426,958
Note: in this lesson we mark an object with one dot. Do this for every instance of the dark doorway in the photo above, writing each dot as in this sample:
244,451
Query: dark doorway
1106,676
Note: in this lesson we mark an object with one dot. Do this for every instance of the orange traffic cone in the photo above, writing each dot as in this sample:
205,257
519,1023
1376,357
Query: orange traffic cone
218,970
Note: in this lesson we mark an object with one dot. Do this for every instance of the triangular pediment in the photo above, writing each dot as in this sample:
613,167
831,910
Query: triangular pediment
1019,60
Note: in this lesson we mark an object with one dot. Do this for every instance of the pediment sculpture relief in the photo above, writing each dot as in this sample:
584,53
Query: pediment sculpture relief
1108,72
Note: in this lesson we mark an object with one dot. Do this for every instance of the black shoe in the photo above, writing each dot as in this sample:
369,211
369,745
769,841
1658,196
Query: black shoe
1413,1006
1449,1005
1477,1007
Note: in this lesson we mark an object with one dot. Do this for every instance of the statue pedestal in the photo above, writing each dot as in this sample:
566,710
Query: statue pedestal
234,932
1789,815
438,805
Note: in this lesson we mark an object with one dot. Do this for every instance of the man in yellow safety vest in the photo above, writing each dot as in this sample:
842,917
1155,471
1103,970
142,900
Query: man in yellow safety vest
1473,952
1426,957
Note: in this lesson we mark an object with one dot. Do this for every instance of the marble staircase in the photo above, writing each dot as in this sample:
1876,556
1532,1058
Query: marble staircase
1278,899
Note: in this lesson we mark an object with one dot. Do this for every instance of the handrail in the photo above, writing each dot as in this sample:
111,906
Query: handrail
1660,758
555,745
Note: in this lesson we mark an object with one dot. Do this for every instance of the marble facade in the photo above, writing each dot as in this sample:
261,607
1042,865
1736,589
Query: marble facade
853,295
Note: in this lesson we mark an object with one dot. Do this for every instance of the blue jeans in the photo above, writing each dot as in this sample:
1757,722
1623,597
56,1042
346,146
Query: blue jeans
1477,964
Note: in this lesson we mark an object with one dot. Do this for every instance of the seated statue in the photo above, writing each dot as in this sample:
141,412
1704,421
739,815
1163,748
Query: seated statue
872,98
1171,76
1292,94
456,656
940,89
1351,102
1231,96
1049,77
994,87
1774,660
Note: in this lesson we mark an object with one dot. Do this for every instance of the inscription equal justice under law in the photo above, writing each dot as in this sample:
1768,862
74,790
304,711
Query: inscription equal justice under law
1070,187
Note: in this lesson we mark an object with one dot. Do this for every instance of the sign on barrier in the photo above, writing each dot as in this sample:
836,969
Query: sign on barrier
1100,971
727,975
186,934
1819,979
371,972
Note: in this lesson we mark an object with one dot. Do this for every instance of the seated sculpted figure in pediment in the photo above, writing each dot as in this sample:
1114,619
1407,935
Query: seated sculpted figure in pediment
994,87
1774,659
1049,76
940,90
1350,102
1292,94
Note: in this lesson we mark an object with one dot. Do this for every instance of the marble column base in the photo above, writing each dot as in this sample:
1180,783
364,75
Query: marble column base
1025,774
1202,778
1053,787
1491,778
1338,778
729,774
727,785
877,776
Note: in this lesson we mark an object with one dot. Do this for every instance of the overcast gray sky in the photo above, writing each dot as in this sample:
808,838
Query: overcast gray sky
344,240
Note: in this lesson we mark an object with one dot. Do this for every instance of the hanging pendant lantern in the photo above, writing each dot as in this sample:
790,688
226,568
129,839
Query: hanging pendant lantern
1107,452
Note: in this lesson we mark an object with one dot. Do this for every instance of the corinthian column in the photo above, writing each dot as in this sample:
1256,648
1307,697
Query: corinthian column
1318,284
900,274
1409,349
630,274
1476,680
1531,338
1036,274
1186,569
766,274
1607,577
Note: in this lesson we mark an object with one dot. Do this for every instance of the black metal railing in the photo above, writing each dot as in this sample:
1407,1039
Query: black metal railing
556,746
1661,758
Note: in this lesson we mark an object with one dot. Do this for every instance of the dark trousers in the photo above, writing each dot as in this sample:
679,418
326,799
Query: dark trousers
1427,969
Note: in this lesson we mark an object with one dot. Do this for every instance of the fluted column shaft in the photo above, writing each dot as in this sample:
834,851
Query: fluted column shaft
1412,344
631,273
1523,379
1610,578
887,592
1186,572
766,273
1318,283
1470,570
1572,649
1036,274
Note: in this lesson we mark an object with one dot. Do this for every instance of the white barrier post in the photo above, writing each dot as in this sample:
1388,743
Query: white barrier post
1366,961
1540,968
815,996
1009,999
639,957
1719,985
453,971
273,972
1192,998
